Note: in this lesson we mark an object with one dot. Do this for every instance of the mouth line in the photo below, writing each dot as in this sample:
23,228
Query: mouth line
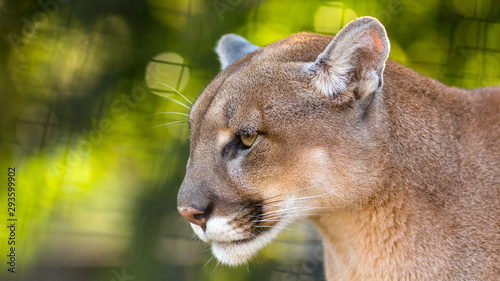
253,237
243,241
237,251
235,242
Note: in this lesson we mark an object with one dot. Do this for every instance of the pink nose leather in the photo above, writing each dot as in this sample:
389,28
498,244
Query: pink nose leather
193,215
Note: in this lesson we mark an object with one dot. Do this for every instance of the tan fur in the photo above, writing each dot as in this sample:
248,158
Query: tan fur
402,183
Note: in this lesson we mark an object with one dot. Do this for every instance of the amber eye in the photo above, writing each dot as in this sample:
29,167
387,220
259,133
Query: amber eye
248,139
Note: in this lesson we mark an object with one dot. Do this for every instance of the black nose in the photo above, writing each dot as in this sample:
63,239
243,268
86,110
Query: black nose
193,215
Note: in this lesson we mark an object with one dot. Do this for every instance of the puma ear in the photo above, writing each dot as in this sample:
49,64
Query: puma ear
352,65
232,47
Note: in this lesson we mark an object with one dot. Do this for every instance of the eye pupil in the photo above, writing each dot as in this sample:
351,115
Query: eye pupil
248,139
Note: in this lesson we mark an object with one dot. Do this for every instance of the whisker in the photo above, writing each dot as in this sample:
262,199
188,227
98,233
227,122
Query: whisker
246,265
276,217
301,212
278,204
211,258
272,197
296,230
168,112
206,249
193,237
271,219
171,99
255,236
294,209
302,215
292,191
280,219
216,266
168,124
175,91
295,216
272,202
331,192
284,228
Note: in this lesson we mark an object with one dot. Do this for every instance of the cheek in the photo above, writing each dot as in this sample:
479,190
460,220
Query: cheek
234,170
298,173
267,170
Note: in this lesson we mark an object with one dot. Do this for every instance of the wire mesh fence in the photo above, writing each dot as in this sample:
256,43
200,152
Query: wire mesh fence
88,91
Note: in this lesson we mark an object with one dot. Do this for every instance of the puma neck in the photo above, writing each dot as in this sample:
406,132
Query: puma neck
416,217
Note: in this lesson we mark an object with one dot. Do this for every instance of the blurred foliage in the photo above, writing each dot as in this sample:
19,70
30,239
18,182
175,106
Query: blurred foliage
83,120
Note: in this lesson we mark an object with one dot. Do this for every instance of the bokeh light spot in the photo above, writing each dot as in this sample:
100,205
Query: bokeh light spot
167,69
69,63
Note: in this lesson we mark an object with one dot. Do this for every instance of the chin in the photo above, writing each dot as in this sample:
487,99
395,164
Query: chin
238,252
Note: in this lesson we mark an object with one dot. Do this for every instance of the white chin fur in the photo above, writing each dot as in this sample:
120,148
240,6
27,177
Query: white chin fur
235,253
199,231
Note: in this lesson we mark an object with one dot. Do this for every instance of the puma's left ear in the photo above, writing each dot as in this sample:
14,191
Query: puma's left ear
232,47
352,65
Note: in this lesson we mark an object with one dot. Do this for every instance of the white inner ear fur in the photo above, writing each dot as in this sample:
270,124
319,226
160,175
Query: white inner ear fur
360,48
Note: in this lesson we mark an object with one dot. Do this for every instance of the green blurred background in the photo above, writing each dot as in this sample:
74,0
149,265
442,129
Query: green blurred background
82,120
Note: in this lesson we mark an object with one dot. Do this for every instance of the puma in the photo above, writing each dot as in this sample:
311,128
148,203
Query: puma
399,173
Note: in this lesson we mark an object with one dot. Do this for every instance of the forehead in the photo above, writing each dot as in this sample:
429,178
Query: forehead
227,97
261,78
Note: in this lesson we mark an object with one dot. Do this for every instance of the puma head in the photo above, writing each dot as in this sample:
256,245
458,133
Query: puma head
281,135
